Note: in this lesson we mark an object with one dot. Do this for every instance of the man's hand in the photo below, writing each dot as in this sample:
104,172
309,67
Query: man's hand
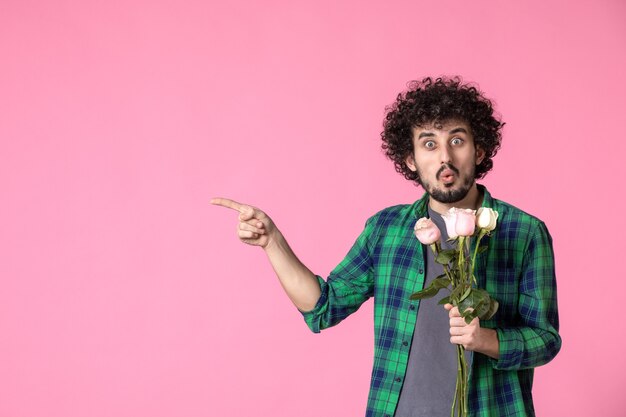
472,336
255,227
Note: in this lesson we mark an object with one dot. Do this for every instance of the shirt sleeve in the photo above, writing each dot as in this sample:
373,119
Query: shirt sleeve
348,286
536,340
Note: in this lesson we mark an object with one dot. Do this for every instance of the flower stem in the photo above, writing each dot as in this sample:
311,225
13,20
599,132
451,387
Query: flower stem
480,236
461,259
435,248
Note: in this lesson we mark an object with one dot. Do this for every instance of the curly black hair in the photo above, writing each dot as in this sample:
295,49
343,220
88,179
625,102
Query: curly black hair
438,101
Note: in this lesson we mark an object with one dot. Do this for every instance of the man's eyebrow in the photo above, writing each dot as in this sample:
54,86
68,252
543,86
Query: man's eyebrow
425,135
457,130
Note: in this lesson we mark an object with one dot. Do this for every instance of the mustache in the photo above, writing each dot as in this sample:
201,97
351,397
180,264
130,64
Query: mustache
447,166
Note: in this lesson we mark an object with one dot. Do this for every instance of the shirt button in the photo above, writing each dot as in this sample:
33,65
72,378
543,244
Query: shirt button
405,343
398,379
412,307
421,271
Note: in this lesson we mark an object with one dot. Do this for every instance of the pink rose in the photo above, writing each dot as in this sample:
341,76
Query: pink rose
450,219
427,231
460,222
465,222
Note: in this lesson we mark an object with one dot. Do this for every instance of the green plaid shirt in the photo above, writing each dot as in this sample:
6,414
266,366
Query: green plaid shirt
387,262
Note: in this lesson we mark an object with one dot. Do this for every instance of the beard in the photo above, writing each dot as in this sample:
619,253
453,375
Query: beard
448,195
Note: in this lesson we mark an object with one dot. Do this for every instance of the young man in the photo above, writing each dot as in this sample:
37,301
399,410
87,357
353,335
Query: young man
442,134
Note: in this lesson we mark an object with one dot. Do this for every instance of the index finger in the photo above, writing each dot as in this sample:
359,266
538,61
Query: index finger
228,203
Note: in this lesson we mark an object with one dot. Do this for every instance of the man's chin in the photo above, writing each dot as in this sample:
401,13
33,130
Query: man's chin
448,195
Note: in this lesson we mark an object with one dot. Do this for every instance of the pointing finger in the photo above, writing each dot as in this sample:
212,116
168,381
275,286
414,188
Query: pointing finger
228,203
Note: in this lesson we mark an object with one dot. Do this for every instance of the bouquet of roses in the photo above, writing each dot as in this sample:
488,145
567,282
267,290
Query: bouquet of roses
458,278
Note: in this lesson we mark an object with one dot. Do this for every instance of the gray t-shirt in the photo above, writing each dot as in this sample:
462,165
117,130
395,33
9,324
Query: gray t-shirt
430,379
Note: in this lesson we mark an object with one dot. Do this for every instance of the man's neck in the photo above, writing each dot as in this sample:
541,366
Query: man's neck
473,200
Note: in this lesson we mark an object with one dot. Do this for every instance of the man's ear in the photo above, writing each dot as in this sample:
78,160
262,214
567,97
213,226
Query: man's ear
480,155
410,162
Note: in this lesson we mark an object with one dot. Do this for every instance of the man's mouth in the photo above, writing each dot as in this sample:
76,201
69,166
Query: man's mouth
447,174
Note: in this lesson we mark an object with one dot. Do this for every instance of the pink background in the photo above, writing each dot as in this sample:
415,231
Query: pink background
124,293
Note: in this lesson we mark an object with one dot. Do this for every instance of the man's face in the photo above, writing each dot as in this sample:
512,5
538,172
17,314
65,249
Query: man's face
445,159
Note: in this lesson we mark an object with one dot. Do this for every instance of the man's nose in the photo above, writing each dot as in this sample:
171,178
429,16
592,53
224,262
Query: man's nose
445,155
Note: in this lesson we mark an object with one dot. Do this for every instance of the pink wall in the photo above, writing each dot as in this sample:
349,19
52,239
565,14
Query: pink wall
123,293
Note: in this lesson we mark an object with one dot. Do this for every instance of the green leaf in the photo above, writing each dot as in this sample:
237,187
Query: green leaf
465,294
469,317
493,307
456,294
483,249
478,304
482,308
454,273
446,256
477,301
432,290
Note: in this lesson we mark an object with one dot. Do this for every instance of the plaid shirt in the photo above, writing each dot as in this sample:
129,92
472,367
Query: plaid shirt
387,262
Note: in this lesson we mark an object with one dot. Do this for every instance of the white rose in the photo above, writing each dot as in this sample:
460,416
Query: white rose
486,218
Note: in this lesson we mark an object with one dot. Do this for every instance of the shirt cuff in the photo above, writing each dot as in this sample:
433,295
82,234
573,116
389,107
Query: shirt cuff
313,317
511,350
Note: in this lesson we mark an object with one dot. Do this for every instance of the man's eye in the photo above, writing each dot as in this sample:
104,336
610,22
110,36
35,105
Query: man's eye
429,144
456,141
